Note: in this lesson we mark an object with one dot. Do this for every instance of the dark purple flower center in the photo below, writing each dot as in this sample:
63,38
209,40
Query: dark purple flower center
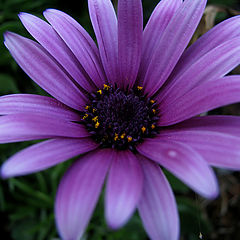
119,118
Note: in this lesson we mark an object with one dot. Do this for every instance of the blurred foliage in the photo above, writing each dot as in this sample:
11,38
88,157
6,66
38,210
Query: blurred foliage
26,203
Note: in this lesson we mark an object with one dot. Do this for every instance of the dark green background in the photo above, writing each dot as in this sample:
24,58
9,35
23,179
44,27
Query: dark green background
26,203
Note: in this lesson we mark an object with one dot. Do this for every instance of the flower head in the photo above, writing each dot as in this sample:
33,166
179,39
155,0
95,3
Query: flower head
129,105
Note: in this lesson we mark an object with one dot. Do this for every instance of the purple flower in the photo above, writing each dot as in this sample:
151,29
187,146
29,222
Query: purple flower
129,105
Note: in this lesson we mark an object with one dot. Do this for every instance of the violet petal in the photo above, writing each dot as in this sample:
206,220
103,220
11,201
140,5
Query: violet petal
78,193
124,186
184,162
44,70
130,27
44,155
104,23
157,206
28,126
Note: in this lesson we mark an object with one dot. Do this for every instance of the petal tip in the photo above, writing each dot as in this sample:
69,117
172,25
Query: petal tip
214,194
213,191
49,11
114,225
3,172
22,14
6,35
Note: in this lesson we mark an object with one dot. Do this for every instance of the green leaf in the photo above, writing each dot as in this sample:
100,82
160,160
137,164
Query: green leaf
177,185
7,84
192,221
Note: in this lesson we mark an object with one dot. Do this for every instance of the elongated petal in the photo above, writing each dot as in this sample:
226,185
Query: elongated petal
130,27
78,193
172,43
27,126
30,103
219,149
44,70
157,206
44,155
76,40
211,66
221,33
52,42
124,187
154,29
222,124
183,162
85,34
201,99
104,23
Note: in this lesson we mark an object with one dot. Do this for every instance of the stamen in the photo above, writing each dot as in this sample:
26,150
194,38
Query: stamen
143,129
116,137
85,116
129,138
106,87
95,119
139,88
123,135
97,124
152,101
99,91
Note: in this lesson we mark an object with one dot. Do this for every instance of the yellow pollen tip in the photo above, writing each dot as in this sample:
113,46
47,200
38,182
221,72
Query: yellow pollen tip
153,126
143,129
152,101
97,124
100,92
85,116
154,111
116,137
87,107
106,87
95,119
139,88
123,135
94,110
129,139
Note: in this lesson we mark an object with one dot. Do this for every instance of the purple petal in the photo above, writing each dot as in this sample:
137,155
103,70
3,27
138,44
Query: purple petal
157,206
85,34
215,64
104,23
183,162
123,189
52,42
222,124
78,193
221,33
218,149
76,40
172,43
201,99
44,70
130,27
154,29
27,126
30,103
44,155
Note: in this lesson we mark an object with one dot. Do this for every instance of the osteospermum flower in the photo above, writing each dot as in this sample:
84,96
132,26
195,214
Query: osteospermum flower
129,105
